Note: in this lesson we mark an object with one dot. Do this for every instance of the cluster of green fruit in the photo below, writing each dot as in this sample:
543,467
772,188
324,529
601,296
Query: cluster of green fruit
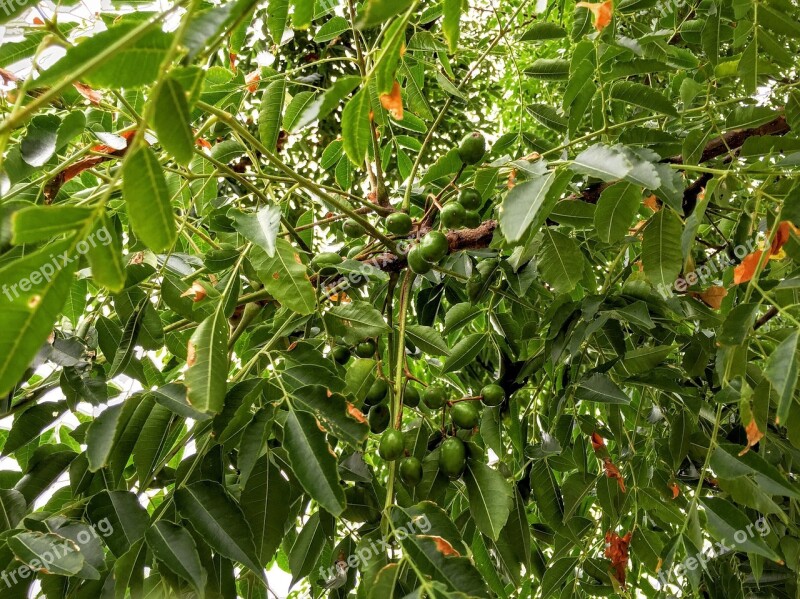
464,414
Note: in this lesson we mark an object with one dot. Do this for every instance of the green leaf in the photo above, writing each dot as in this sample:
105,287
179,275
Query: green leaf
464,352
522,204
603,162
136,64
451,26
207,373
266,503
105,255
560,261
171,120
318,107
220,521
152,441
333,412
427,339
34,289
729,525
120,512
643,96
313,461
489,495
277,18
356,130
781,372
148,200
643,359
285,276
549,117
616,209
661,249
601,389
389,58
375,12
360,319
549,69
543,31
47,553
302,13
737,324
175,548
331,29
269,115
101,435
307,548
12,509
31,423
260,227
40,141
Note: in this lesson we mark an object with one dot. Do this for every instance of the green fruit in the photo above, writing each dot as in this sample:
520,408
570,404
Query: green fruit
411,397
352,228
416,262
434,246
465,414
325,262
453,215
398,223
434,397
472,148
377,392
472,219
470,198
365,349
493,395
392,445
452,457
378,418
410,471
340,354
355,251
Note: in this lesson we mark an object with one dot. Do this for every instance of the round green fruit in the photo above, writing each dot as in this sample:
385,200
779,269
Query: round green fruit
377,392
465,414
493,395
416,262
472,148
453,215
355,251
434,397
434,246
352,228
452,457
325,263
392,445
470,198
340,354
411,397
410,471
378,418
472,219
398,223
365,349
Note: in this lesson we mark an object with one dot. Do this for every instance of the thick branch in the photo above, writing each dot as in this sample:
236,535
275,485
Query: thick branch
735,139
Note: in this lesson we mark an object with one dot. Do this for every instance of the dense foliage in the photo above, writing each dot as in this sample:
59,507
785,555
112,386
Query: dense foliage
403,298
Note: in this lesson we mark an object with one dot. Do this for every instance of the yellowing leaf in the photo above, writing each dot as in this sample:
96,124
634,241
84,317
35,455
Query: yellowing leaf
602,12
393,102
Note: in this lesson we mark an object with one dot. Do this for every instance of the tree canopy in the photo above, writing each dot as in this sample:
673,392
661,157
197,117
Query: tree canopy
410,298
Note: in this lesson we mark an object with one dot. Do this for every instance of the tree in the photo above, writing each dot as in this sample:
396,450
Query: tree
411,298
